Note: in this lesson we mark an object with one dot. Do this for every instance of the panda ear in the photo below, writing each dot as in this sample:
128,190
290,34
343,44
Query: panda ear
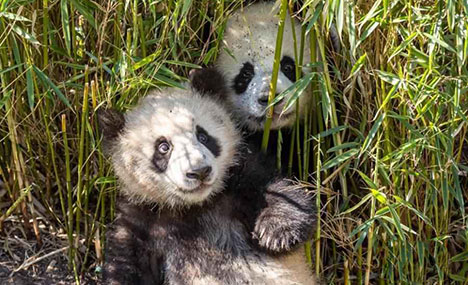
111,123
208,81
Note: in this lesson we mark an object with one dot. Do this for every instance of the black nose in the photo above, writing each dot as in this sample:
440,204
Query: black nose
264,100
200,173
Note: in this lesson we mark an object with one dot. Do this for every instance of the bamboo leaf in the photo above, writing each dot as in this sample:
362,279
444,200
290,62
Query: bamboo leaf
340,159
5,98
326,102
30,87
342,146
329,132
397,223
47,82
372,133
185,64
460,257
402,46
85,11
10,68
440,42
314,17
13,17
65,18
367,32
358,205
381,197
293,92
340,17
150,58
388,77
186,7
357,66
27,36
368,181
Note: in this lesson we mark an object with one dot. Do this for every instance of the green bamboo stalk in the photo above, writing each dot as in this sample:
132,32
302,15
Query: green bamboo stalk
45,110
274,76
370,238
80,166
318,205
291,150
71,248
333,115
45,33
142,35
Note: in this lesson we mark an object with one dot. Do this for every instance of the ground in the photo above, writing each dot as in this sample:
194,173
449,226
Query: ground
23,261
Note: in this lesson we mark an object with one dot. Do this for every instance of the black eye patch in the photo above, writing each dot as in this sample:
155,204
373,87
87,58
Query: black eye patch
160,160
288,67
210,142
242,80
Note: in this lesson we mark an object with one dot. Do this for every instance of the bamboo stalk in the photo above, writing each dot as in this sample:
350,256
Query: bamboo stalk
274,76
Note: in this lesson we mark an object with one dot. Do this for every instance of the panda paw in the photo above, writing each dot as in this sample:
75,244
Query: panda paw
277,235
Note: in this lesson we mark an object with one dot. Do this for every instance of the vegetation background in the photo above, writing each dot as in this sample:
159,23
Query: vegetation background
386,132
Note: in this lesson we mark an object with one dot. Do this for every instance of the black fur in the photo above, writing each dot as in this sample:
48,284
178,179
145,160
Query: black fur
111,123
288,217
259,169
242,80
208,81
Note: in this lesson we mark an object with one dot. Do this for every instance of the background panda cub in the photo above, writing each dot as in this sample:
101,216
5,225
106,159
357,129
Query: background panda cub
250,37
175,223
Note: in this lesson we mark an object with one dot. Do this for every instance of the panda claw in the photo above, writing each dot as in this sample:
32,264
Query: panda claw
262,233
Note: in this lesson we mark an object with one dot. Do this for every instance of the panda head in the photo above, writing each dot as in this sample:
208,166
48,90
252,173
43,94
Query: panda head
246,61
172,150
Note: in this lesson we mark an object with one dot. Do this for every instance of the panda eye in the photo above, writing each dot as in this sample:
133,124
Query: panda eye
242,80
247,74
288,67
202,138
164,147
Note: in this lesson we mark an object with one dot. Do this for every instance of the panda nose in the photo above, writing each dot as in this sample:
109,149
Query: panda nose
199,173
264,100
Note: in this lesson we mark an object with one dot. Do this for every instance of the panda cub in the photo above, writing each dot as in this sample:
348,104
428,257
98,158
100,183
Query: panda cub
177,221
246,61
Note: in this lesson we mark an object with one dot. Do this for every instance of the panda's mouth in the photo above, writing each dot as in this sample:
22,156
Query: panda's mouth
200,188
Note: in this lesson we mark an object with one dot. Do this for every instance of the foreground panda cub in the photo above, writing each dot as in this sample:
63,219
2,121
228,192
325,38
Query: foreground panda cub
177,221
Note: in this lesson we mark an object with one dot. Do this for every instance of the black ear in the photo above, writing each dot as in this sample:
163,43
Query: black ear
111,123
208,81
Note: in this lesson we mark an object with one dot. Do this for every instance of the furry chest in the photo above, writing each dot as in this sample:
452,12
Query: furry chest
213,267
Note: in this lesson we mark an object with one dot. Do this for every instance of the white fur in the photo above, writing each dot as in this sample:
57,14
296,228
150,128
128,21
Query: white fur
250,36
260,269
174,114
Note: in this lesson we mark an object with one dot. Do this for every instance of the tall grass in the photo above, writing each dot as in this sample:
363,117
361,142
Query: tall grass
383,143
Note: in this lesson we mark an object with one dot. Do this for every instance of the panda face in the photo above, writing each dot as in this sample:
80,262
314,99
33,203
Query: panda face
252,86
250,38
174,149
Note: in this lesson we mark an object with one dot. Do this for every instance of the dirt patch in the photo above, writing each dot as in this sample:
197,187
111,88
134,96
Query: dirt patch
23,261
